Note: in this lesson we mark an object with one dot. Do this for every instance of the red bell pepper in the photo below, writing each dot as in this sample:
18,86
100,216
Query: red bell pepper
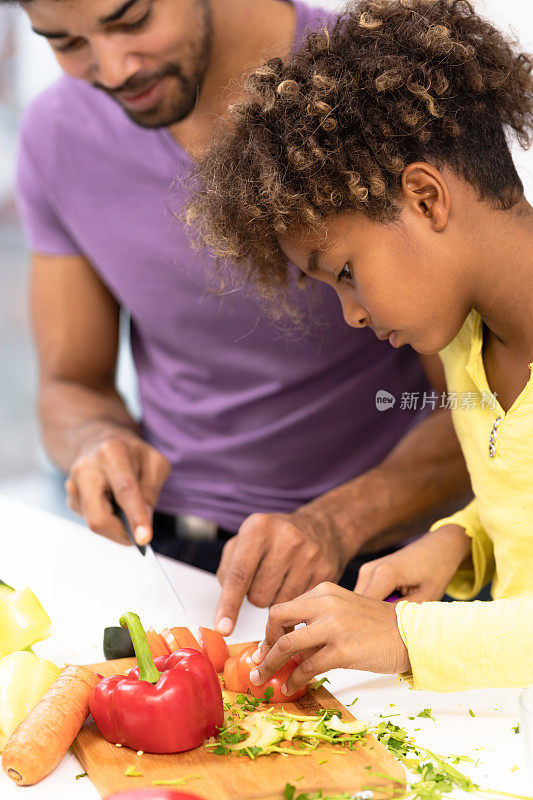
168,705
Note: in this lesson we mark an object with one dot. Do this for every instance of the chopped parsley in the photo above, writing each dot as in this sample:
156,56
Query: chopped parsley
251,703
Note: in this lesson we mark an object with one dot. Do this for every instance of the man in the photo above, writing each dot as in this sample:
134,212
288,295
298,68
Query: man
236,417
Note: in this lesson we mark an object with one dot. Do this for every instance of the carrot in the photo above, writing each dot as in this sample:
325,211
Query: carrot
38,744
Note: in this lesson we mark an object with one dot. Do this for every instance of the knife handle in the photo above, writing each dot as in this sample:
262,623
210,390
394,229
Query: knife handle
122,517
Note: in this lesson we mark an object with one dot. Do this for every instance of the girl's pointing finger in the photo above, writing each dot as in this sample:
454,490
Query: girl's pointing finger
308,637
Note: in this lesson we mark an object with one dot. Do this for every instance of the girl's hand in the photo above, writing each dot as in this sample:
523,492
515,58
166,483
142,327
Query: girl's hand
342,629
421,570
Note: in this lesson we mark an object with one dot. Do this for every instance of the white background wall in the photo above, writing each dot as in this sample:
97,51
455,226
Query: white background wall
36,66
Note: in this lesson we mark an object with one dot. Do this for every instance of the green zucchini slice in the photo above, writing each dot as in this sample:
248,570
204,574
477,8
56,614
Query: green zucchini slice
117,643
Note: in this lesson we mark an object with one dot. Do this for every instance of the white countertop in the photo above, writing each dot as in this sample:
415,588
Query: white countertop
86,582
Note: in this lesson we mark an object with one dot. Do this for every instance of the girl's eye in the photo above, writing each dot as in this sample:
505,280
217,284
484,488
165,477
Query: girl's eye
345,273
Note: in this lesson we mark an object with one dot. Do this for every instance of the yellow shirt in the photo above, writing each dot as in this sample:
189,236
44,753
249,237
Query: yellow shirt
455,646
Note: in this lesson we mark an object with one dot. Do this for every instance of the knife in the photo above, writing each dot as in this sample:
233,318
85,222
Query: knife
150,557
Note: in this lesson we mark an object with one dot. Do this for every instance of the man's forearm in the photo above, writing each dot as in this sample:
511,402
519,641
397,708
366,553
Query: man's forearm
75,417
423,477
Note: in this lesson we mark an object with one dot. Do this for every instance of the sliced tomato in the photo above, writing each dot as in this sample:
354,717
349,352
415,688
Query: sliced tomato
245,665
156,643
214,647
170,639
236,649
231,676
178,638
276,682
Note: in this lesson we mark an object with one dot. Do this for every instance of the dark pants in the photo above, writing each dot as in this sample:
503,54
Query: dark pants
202,553
205,553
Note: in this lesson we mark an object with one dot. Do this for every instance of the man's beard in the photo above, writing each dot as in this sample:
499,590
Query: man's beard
176,105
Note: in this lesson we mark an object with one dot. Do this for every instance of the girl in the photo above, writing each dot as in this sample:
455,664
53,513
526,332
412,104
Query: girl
376,160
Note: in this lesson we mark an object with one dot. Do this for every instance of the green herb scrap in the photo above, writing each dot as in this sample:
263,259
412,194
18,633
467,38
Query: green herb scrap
318,684
132,772
247,702
426,712
290,794
352,703
175,781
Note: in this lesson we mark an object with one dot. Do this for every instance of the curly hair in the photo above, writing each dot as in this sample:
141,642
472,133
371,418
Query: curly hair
332,128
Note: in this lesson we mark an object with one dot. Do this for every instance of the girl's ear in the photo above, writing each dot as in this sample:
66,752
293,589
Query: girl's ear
426,191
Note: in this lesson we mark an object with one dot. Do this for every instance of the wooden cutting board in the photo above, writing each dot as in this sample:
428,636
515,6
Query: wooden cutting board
236,777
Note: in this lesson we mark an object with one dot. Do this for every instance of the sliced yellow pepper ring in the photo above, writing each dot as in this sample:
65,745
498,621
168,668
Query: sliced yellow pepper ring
24,678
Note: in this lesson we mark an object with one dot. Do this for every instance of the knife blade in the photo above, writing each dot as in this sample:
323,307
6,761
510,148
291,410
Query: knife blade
150,557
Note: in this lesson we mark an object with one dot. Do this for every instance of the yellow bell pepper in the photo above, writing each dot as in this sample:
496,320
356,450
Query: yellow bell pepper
24,678
23,620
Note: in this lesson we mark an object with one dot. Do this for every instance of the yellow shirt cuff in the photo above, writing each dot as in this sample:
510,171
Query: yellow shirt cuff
467,583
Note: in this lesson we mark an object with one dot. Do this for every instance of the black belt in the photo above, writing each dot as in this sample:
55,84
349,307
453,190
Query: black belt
171,538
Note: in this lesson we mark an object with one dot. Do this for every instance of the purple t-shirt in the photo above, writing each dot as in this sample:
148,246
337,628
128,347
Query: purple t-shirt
251,420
